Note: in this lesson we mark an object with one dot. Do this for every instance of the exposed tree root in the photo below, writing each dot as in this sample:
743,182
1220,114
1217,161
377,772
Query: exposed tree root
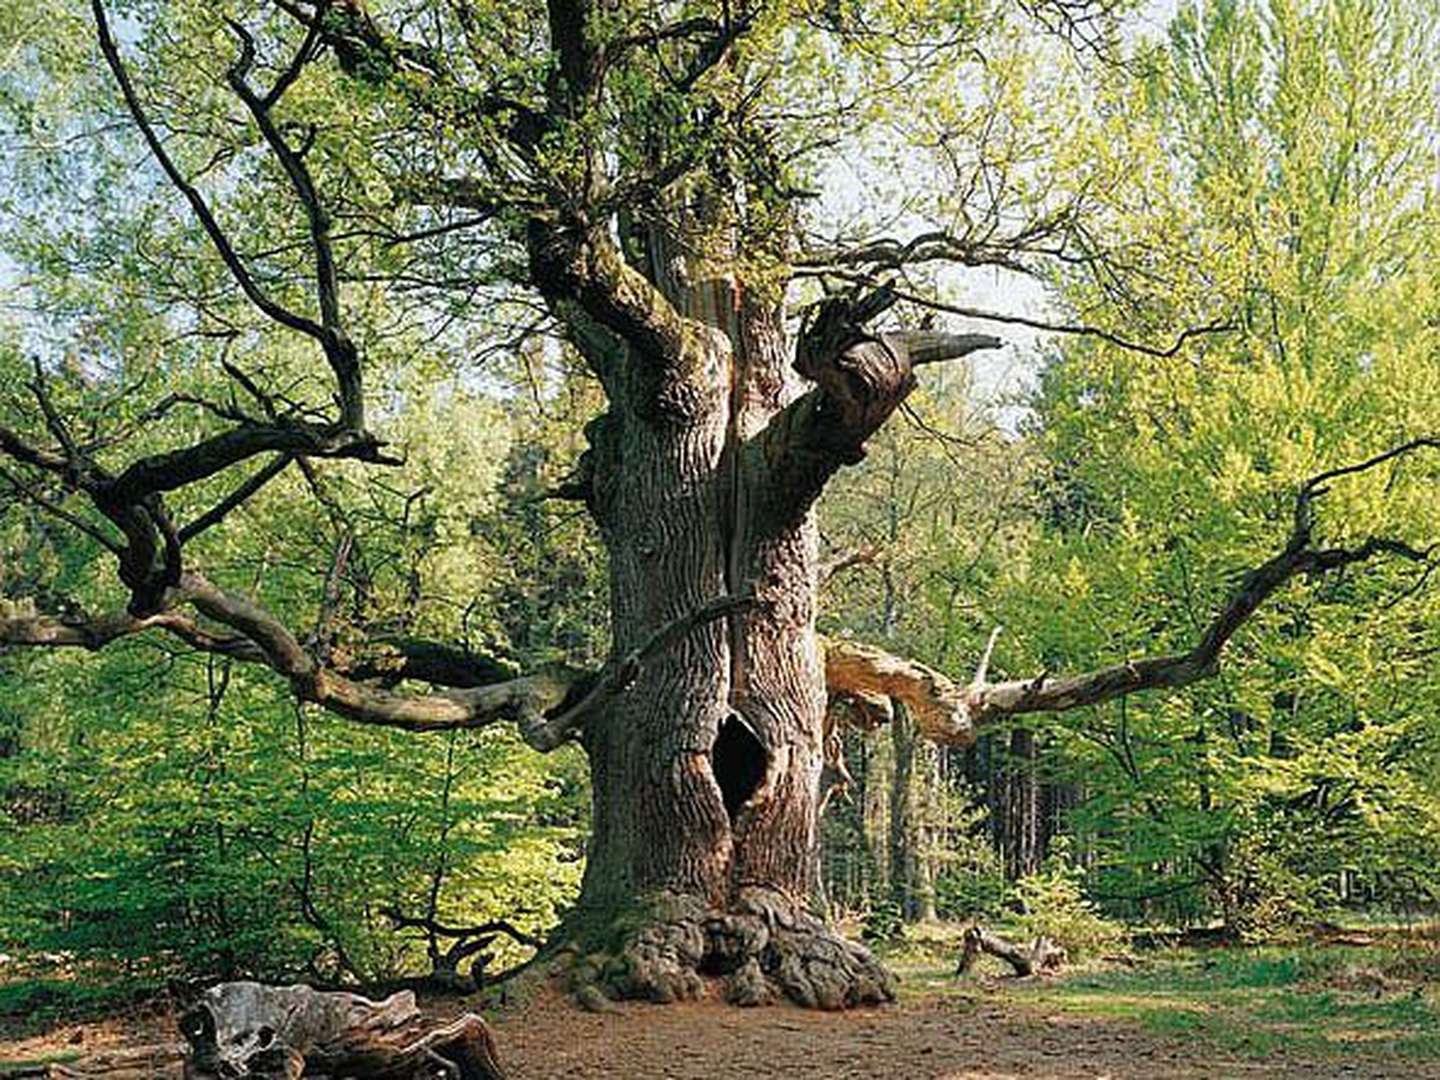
763,949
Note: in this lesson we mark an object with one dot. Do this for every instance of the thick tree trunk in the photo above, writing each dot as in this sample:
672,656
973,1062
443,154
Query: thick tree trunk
706,772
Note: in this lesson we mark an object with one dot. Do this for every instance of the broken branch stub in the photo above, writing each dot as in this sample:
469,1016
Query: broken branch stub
865,675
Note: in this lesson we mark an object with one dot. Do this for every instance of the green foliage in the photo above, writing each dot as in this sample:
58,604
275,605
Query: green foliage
970,882
164,814
884,921
1286,153
245,837
971,885
1053,905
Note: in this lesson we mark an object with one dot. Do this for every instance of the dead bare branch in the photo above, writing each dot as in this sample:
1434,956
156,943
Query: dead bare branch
949,713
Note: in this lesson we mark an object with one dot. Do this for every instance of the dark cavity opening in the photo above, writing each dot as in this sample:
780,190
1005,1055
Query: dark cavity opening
738,762
718,965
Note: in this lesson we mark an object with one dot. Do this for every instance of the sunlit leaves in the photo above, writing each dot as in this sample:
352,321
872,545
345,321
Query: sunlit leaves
1264,134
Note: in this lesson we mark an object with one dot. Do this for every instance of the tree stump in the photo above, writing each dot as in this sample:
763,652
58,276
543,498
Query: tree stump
1042,955
246,1029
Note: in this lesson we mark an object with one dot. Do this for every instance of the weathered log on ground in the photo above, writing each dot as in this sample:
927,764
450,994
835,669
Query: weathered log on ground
246,1029
1042,955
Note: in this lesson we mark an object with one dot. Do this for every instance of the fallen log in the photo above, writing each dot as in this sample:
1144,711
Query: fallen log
246,1029
1042,955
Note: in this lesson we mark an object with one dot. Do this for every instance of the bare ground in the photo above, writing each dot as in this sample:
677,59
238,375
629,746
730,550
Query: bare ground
931,1037
928,1036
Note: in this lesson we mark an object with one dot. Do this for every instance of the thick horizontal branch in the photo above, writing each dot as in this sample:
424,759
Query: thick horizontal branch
93,633
524,701
22,450
546,706
934,346
1046,693
863,678
259,637
150,558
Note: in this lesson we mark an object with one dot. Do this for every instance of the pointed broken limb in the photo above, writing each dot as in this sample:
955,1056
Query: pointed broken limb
947,712
984,667
861,379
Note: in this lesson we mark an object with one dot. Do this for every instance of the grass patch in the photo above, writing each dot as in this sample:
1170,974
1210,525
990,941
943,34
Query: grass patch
31,1005
1256,1002
1316,1000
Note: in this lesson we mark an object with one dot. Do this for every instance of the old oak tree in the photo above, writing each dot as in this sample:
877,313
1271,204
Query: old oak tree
640,173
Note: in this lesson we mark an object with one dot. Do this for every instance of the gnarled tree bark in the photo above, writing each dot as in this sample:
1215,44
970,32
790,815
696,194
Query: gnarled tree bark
247,1029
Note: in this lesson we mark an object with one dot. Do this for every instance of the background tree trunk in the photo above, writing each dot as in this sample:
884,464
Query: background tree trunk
903,831
1016,806
928,826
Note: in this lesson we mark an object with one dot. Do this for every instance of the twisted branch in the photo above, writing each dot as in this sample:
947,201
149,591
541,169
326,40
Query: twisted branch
950,713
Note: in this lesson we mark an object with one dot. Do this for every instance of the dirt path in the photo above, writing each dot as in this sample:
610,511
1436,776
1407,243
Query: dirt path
927,1038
